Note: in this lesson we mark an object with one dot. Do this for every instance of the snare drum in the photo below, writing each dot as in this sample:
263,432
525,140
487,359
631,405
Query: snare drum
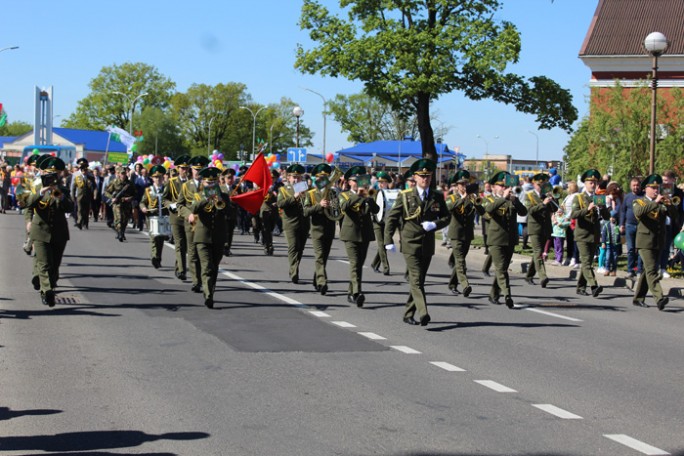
160,226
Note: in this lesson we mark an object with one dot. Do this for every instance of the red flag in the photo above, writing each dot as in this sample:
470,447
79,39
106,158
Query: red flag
260,175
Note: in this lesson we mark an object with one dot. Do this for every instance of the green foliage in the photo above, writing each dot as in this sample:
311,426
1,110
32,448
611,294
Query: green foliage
161,135
409,52
368,119
114,90
15,128
617,134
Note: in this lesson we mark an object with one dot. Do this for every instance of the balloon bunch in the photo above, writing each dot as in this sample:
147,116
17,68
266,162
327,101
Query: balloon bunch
148,161
94,165
273,160
16,178
216,160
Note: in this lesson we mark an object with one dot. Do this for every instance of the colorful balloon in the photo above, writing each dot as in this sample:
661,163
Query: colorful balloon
679,240
330,157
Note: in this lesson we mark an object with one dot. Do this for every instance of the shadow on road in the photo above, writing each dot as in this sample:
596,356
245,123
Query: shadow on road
490,324
7,414
91,440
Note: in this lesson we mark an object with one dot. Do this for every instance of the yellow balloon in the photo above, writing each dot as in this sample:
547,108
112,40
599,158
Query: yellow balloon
166,164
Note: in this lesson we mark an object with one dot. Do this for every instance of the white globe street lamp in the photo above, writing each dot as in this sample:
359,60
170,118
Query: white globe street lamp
656,45
298,112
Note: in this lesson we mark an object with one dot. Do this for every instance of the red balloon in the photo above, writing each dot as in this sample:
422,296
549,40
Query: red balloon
330,157
15,181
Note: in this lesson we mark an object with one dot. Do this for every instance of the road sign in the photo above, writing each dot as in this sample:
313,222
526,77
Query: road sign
296,155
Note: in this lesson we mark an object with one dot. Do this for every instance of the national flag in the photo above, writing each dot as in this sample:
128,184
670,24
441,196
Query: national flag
122,136
260,175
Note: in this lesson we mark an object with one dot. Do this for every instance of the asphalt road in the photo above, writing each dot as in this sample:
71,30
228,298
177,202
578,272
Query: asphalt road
131,362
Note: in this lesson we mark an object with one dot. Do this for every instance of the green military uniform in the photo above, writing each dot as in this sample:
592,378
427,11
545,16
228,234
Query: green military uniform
462,208
588,233
208,207
539,228
357,229
502,236
188,195
417,212
651,240
268,213
49,228
322,227
123,190
153,205
180,242
82,191
379,223
30,182
231,212
295,224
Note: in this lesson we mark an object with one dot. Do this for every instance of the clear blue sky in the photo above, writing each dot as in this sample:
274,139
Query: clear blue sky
66,44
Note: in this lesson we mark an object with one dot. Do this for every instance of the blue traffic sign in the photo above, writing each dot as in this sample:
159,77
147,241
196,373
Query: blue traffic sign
296,155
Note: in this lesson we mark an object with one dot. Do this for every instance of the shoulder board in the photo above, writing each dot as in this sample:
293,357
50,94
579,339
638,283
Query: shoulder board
407,191
640,201
490,198
345,195
452,198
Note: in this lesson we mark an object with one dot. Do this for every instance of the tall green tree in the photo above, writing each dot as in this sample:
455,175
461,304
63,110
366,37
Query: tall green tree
117,92
15,128
368,119
615,138
161,134
409,52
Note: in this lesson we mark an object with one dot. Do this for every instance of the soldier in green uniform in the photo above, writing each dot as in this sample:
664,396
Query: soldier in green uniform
322,227
268,213
588,231
503,207
651,211
152,204
121,193
49,229
539,210
380,259
418,213
82,190
171,191
188,195
227,186
295,224
357,228
207,215
462,207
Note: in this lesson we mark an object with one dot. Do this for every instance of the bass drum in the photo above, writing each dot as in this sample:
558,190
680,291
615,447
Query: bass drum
380,201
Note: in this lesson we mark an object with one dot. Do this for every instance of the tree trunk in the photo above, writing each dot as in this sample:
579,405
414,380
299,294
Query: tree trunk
427,136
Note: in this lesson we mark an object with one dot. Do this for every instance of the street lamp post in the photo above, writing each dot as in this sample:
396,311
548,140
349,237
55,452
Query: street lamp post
209,136
298,112
656,45
254,116
132,107
486,143
536,156
325,105
10,48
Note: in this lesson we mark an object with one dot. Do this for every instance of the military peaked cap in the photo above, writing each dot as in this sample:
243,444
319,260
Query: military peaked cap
591,174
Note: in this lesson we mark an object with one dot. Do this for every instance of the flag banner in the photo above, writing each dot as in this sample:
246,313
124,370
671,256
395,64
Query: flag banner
122,136
260,175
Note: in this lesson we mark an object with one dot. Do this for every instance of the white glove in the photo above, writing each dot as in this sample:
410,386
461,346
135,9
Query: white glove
173,206
390,248
428,226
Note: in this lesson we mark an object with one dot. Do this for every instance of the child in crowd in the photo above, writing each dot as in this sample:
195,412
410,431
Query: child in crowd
610,244
560,224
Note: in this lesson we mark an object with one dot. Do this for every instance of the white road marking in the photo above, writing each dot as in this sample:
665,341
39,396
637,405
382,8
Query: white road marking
559,412
636,444
372,336
405,349
498,387
343,261
551,314
343,324
447,366
318,313
278,296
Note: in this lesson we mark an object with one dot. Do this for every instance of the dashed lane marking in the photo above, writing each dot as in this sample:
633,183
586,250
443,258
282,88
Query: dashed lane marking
318,313
636,444
343,324
405,349
372,336
557,411
446,366
551,314
498,387
256,286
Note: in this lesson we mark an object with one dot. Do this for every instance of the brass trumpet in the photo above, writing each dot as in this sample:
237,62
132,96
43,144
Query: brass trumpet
675,200
475,199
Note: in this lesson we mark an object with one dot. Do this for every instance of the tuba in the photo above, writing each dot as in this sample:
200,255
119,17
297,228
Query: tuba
333,211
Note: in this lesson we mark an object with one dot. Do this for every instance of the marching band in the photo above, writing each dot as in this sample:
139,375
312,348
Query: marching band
196,212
